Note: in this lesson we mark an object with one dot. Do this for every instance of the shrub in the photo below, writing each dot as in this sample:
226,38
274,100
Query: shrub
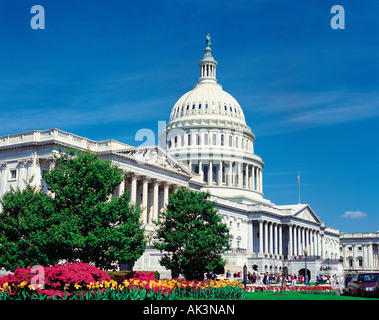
60,277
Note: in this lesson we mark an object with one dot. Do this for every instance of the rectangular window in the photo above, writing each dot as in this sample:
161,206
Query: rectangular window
13,175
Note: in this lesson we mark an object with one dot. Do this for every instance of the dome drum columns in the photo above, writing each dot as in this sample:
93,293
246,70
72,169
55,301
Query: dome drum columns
228,173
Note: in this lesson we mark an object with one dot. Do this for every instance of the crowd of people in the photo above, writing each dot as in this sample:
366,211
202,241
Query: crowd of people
272,278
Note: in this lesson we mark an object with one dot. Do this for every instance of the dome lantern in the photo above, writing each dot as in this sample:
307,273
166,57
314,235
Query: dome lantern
208,64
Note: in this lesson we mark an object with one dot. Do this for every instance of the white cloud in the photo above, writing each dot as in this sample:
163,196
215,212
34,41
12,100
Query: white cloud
354,214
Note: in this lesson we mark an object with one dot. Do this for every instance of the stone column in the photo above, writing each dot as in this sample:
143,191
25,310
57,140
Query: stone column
121,188
248,167
260,236
165,194
317,243
354,256
4,169
155,201
210,172
290,240
246,176
276,238
133,191
230,180
21,174
299,245
201,170
271,240
303,244
253,178
344,254
37,173
266,237
240,175
145,193
370,255
219,178
280,240
309,241
322,246
295,241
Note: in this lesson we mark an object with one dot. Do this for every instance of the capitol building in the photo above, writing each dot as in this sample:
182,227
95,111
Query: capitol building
206,145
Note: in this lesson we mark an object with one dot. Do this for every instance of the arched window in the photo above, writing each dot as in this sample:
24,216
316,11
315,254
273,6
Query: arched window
214,139
189,139
206,139
230,141
176,141
236,142
222,140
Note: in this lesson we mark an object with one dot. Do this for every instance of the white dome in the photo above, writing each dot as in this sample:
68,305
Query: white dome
207,99
207,131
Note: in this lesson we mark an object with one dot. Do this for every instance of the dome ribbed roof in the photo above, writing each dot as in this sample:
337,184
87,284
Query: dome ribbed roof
207,99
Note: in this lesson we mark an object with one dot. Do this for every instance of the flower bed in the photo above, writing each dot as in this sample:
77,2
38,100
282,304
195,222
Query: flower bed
301,289
84,282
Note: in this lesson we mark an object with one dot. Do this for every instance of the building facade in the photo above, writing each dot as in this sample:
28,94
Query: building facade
206,145
359,251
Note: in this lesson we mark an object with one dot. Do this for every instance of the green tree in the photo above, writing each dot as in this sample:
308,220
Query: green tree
92,226
191,235
25,225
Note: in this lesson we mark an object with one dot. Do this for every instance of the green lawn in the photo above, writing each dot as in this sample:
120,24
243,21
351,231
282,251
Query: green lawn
298,296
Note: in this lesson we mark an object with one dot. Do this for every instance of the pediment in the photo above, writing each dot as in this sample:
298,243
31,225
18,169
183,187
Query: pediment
306,213
157,157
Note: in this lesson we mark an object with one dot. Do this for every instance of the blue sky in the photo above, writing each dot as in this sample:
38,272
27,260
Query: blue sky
106,69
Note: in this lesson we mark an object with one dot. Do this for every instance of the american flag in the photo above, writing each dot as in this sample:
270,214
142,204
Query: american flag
298,177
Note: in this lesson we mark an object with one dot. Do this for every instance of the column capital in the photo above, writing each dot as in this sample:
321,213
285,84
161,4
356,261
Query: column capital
134,176
22,163
4,165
